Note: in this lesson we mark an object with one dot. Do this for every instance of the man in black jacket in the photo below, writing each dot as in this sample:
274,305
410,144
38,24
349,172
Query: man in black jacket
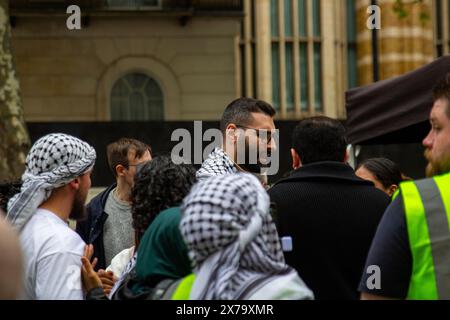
325,211
109,223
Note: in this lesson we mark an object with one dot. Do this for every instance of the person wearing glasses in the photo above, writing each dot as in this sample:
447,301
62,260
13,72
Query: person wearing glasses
248,128
109,223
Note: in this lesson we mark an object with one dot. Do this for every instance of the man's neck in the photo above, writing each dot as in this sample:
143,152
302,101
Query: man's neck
59,207
232,155
123,192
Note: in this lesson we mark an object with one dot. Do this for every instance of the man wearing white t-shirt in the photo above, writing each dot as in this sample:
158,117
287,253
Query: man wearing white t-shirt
55,186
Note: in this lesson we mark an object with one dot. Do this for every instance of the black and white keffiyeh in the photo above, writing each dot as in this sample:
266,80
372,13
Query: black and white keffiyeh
129,268
230,235
218,163
53,161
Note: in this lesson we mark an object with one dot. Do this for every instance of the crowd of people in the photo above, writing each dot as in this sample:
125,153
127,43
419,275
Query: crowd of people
165,231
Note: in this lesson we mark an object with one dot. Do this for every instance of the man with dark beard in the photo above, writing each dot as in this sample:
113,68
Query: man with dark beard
410,254
248,142
437,142
55,186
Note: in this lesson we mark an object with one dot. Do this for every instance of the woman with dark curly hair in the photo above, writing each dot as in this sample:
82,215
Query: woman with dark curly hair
158,185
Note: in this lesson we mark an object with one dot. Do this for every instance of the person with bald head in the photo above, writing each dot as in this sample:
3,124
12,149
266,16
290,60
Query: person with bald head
10,262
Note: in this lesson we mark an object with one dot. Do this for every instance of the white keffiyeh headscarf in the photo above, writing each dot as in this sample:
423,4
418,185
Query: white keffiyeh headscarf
53,161
230,234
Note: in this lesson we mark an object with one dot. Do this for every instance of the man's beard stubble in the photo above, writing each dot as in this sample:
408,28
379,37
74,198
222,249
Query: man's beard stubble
249,164
78,211
434,167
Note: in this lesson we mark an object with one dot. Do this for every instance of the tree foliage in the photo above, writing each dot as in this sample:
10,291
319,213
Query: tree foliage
14,139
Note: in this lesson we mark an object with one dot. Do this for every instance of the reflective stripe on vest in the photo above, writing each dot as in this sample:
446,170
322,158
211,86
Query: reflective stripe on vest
184,288
427,209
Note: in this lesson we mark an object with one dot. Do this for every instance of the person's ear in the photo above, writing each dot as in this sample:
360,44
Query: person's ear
231,132
120,170
392,189
296,161
75,183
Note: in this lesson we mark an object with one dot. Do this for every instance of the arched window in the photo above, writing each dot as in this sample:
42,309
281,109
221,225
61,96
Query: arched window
136,96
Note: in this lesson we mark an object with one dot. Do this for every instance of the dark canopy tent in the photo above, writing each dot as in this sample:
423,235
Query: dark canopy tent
394,111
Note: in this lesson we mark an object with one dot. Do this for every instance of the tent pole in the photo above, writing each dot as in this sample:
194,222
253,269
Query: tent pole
376,68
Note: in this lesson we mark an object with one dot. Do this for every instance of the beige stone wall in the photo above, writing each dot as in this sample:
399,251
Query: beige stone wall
68,75
404,44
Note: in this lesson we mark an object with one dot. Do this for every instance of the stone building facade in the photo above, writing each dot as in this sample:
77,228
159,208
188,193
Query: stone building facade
186,60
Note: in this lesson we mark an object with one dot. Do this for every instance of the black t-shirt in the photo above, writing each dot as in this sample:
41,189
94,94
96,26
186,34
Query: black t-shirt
390,251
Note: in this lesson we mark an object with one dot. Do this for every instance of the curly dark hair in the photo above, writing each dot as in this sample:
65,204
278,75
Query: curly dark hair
159,185
319,139
7,190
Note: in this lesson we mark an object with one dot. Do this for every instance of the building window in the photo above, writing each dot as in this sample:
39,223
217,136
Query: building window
300,32
136,97
296,56
442,27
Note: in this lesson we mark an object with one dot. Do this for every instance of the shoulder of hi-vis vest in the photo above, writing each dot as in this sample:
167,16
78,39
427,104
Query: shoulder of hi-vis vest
427,212
180,289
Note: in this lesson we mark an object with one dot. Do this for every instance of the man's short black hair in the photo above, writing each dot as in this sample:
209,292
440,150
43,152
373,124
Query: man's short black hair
442,91
319,139
240,111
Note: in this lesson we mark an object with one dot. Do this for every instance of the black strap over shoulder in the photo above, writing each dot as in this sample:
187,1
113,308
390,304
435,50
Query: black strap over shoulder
164,289
160,291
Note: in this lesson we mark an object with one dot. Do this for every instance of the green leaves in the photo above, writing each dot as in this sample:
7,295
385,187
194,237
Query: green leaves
400,8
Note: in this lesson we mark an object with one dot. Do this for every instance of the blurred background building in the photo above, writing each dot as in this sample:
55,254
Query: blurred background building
185,60
182,60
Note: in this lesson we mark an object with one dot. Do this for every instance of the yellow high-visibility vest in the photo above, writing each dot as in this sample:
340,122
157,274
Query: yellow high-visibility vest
427,212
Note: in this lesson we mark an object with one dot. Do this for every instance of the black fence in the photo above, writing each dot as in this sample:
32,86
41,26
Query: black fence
158,135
